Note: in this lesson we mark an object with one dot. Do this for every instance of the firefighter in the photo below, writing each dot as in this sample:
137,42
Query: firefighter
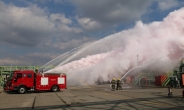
36,71
118,86
113,83
4,82
169,91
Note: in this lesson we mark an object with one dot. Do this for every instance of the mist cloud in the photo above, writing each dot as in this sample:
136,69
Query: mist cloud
158,42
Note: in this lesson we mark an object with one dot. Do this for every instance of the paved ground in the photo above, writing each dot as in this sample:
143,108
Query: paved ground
95,98
1,89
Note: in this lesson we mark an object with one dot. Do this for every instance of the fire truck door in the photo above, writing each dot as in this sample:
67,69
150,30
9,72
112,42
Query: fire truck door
30,80
18,80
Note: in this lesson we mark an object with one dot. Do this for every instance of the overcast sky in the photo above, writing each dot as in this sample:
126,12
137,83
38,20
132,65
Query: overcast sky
32,32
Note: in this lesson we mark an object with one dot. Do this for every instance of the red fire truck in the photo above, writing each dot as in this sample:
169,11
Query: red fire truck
22,81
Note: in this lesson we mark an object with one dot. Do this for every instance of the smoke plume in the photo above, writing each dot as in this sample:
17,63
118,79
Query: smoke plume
158,46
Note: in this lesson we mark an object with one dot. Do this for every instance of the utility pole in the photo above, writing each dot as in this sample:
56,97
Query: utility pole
138,65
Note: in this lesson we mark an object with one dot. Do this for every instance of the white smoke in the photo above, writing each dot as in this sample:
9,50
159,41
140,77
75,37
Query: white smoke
114,55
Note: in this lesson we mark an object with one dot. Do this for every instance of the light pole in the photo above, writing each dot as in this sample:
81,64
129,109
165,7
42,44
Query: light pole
137,60
138,65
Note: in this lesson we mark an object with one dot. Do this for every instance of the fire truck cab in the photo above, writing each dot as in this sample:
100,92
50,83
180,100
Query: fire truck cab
23,80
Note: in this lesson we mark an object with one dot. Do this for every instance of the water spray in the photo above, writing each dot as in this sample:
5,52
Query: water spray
59,58
67,56
139,67
163,38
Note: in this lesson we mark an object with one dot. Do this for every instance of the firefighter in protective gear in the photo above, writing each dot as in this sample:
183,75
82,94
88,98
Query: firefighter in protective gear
113,83
36,70
118,86
169,91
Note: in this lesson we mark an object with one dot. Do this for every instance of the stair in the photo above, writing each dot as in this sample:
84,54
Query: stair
165,80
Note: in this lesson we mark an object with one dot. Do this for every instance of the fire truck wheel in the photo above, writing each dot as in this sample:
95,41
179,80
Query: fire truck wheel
54,88
22,90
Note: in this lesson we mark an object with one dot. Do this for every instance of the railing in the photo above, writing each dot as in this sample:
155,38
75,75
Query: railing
5,70
164,80
12,68
8,69
137,78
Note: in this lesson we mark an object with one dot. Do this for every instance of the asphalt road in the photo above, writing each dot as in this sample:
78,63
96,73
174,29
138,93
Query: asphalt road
94,98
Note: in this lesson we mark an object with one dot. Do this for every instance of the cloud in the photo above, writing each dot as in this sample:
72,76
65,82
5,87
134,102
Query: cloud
27,31
27,26
59,1
100,13
42,1
27,59
167,4
88,23
72,43
60,18
23,26
48,1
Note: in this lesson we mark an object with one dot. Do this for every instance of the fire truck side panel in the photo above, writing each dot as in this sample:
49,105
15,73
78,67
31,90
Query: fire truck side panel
46,82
